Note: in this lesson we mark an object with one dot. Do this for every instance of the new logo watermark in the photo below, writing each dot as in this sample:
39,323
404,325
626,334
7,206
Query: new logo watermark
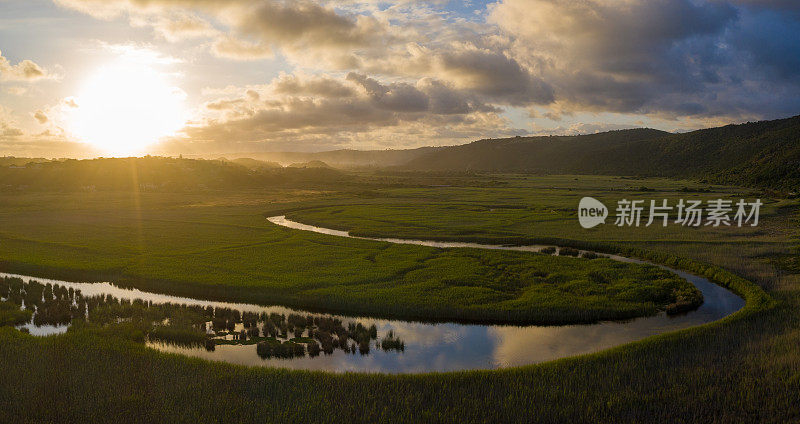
688,213
591,212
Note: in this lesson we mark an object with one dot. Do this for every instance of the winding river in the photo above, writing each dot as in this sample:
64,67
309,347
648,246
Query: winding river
433,347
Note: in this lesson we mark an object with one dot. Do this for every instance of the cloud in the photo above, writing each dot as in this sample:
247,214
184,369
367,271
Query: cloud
303,24
300,85
251,28
787,6
175,27
24,71
224,104
45,144
7,131
323,112
479,66
444,100
134,53
492,74
397,97
22,142
771,42
233,48
16,90
8,126
657,57
406,40
361,69
40,117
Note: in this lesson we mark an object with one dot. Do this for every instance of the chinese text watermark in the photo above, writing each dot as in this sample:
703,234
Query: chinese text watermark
688,213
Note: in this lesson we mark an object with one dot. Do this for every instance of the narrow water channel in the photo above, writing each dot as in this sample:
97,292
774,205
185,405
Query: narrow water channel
430,347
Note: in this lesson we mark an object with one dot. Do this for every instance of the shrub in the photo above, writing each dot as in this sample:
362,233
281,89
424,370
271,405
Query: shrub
178,335
11,314
568,251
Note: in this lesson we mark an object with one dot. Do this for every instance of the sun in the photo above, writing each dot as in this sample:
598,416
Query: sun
123,108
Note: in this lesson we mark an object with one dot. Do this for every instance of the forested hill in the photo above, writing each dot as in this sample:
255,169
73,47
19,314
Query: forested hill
765,154
544,154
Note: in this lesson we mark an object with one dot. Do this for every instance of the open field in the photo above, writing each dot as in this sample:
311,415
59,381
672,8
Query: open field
741,369
528,209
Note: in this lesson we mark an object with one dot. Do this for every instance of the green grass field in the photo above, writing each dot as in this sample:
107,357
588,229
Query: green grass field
742,369
218,246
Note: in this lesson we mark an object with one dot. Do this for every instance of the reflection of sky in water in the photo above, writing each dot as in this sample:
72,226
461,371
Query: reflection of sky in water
470,347
444,346
525,345
44,330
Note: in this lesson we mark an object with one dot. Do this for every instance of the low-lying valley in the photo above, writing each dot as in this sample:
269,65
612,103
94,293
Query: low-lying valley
478,286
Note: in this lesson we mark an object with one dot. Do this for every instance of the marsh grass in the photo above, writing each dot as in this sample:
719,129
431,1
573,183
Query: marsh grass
229,252
741,369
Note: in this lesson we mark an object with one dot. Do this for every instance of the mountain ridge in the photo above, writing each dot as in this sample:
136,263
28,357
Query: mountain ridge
763,153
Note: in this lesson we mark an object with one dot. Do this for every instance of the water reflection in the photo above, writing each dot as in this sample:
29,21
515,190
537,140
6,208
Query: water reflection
434,346
437,347
518,344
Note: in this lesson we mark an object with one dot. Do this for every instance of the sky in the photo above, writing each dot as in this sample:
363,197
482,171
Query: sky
84,78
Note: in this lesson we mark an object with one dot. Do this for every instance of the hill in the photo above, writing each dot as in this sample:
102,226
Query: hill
344,158
547,154
14,161
151,173
309,164
255,164
763,154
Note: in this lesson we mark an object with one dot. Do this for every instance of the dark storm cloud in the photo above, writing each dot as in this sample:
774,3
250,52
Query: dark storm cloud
494,75
675,57
790,6
772,41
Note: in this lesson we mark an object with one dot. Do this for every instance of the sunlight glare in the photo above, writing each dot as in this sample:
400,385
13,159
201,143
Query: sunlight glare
123,108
